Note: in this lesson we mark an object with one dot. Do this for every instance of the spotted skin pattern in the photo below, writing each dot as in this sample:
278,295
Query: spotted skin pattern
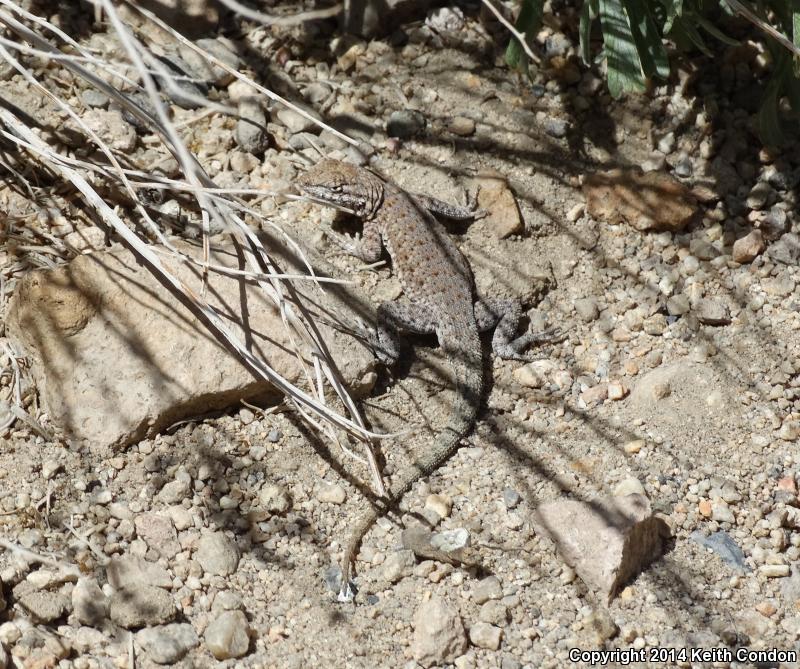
440,299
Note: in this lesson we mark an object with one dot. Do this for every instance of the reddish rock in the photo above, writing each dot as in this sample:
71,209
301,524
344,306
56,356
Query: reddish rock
748,247
647,201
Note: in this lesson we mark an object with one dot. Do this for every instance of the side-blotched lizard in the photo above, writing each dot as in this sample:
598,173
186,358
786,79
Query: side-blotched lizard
438,284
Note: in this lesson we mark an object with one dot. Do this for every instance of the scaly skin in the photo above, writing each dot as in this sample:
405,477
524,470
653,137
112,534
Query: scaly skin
439,288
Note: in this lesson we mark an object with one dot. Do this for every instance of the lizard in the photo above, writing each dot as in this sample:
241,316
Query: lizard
440,299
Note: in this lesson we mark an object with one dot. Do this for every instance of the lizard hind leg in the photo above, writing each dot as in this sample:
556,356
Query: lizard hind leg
396,317
504,316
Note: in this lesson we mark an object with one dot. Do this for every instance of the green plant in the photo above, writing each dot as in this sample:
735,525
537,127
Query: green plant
635,35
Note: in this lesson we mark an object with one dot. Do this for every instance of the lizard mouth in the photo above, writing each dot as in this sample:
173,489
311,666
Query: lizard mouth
314,193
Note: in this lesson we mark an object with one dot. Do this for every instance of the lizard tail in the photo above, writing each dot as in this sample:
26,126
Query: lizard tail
464,354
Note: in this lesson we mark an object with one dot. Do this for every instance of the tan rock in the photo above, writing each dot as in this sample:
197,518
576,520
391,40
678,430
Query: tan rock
158,532
651,201
116,357
89,603
633,446
748,247
595,394
145,605
439,635
500,205
766,608
606,540
228,636
126,572
617,390
484,635
462,126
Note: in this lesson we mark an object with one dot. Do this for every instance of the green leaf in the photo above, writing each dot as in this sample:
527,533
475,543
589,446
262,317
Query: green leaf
674,10
795,9
793,93
684,29
528,23
769,122
649,44
727,9
585,32
712,30
625,71
795,12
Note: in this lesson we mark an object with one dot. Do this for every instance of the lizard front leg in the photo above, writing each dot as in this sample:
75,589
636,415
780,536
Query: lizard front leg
454,212
367,247
506,315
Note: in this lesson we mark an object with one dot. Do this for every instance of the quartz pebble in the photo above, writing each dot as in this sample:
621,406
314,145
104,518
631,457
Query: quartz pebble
228,636
331,493
484,635
166,644
217,554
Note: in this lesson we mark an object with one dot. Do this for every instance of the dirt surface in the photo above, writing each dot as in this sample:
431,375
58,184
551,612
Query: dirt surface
678,379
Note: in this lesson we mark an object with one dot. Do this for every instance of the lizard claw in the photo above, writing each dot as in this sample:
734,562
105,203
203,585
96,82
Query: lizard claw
472,205
513,350
347,593
552,335
372,340
346,243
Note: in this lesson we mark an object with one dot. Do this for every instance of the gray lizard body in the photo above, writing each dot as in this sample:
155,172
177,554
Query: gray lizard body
440,292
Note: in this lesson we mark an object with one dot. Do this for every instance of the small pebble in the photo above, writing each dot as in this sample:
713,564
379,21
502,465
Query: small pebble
511,498
441,505
167,644
275,499
484,635
228,636
217,553
576,211
439,636
50,468
405,124
486,589
462,126
331,493
747,248
774,570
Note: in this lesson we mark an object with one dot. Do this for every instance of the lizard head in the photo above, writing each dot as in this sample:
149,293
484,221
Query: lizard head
344,184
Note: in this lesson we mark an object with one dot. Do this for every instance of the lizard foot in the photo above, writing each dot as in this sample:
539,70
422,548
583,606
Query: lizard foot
472,205
382,347
350,245
513,350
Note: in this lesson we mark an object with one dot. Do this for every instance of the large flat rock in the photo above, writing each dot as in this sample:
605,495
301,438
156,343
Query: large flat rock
606,540
117,357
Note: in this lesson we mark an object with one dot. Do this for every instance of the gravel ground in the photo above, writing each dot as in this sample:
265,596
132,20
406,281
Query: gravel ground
213,544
